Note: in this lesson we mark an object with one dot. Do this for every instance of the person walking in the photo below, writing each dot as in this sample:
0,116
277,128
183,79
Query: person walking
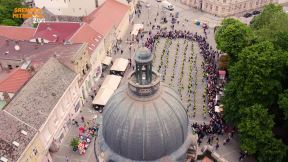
82,118
66,159
217,146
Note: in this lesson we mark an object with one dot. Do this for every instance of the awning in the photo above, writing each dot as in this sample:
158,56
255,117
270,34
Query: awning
103,96
120,64
111,82
107,60
136,28
218,109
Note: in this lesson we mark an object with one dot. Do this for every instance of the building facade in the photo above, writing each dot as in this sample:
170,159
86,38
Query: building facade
69,7
52,97
225,8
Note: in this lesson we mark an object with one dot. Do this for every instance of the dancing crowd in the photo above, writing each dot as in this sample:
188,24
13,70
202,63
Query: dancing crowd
216,125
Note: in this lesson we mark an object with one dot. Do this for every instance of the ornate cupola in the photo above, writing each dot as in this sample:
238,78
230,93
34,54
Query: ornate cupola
144,120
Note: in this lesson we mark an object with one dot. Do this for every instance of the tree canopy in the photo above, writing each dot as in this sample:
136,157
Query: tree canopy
232,36
6,12
256,95
255,78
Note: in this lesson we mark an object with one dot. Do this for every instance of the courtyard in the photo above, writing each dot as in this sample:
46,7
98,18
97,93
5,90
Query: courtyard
179,63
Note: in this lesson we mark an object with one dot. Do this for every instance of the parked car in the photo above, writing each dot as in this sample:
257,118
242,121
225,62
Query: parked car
256,12
247,15
159,0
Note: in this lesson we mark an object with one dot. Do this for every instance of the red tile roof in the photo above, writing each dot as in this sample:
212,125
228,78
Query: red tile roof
86,34
17,33
14,81
110,13
56,31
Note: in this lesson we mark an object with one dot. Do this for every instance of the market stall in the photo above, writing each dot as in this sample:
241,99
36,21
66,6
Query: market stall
111,82
102,98
106,62
136,29
119,66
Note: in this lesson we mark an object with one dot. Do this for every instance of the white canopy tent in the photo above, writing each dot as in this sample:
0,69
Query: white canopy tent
218,109
136,29
107,60
120,64
103,96
111,82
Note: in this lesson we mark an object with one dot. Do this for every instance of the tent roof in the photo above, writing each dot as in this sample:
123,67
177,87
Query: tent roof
120,64
111,82
107,60
103,96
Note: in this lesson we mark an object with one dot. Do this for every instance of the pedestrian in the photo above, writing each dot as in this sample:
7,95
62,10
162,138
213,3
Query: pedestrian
121,52
209,140
217,146
66,159
82,118
76,123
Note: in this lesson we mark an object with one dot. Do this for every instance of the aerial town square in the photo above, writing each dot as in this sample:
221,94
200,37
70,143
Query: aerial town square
143,80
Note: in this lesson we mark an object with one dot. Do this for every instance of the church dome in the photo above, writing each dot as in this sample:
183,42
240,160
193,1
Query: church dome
145,120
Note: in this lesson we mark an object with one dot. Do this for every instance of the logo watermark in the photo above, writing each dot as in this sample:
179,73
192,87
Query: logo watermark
25,13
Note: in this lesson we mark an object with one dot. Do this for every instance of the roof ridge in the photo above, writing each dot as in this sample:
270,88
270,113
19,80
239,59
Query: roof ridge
82,26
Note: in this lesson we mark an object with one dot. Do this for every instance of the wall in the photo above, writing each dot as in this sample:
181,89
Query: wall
225,8
34,151
80,60
14,63
63,112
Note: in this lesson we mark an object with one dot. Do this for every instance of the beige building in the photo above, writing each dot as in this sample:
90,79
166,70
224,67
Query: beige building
43,108
225,8
112,25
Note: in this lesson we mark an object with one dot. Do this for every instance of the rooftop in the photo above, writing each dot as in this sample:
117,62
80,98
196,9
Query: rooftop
39,96
14,81
35,52
10,130
110,13
17,33
56,31
87,34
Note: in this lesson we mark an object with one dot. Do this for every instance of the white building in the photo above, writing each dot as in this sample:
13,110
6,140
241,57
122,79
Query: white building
69,7
225,8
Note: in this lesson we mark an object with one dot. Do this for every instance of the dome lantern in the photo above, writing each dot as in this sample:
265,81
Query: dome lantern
143,72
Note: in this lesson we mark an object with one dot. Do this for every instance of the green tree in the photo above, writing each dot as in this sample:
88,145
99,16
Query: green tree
280,40
255,127
272,150
6,12
283,103
255,78
267,16
274,19
232,36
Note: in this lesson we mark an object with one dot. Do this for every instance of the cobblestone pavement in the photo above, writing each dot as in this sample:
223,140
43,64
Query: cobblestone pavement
171,73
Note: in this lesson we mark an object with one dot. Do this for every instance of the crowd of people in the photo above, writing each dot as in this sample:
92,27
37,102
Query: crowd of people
216,124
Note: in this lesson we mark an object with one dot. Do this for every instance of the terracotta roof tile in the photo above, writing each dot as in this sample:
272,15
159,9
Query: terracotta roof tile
17,33
56,31
86,34
110,13
14,81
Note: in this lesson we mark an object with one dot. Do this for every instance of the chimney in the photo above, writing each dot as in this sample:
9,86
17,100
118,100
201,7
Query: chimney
7,98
